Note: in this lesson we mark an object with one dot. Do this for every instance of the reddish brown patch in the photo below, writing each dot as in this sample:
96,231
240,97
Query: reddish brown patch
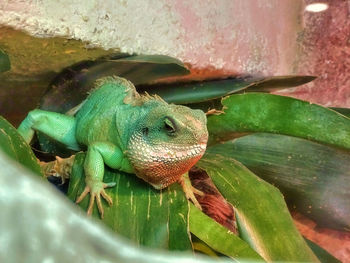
335,242
198,74
212,202
160,174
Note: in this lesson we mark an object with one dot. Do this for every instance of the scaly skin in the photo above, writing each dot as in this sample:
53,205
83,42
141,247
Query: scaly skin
159,142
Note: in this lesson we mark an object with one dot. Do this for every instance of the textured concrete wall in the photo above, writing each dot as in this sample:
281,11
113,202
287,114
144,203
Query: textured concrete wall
234,36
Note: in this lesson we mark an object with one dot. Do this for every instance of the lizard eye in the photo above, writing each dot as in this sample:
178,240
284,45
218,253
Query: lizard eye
145,131
169,125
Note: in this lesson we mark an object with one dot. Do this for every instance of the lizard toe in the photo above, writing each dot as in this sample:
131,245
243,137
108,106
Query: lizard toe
91,203
96,190
83,194
107,197
99,205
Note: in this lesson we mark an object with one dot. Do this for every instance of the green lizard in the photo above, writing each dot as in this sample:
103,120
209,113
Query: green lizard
134,133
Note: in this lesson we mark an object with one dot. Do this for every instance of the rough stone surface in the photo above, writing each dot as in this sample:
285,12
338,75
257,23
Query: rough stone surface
131,26
233,36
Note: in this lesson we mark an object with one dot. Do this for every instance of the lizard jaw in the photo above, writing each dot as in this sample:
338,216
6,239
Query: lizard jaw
162,164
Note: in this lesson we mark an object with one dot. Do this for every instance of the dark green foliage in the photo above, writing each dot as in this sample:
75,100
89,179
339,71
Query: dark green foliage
263,218
258,112
312,177
15,147
219,238
5,64
202,91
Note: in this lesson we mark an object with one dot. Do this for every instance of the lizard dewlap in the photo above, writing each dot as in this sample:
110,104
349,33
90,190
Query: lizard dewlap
140,134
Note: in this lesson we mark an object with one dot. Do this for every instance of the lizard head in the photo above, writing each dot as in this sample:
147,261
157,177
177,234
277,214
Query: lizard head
167,142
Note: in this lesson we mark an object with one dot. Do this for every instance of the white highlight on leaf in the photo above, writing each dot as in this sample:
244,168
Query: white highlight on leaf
183,217
117,192
131,199
160,197
149,204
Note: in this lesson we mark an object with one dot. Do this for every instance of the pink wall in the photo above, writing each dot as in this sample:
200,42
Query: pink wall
270,38
325,43
239,36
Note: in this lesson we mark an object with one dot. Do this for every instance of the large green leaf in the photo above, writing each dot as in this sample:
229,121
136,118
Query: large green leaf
194,92
149,217
279,82
262,215
259,112
5,64
12,143
313,177
344,111
219,238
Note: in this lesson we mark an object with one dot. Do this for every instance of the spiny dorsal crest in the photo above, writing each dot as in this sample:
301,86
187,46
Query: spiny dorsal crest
132,96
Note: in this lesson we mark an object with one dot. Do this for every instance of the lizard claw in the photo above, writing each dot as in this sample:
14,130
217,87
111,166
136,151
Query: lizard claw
82,195
96,190
189,190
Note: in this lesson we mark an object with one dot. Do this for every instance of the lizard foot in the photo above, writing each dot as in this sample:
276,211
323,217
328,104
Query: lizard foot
189,190
61,167
96,190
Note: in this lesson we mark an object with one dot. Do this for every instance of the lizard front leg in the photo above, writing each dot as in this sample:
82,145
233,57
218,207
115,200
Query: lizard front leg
57,126
98,154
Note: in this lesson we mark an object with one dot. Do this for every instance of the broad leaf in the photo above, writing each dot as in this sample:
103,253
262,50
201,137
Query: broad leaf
278,83
194,92
12,143
220,238
313,177
344,111
200,247
263,217
149,217
5,64
259,112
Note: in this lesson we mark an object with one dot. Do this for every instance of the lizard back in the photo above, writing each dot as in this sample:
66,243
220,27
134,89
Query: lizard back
96,117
